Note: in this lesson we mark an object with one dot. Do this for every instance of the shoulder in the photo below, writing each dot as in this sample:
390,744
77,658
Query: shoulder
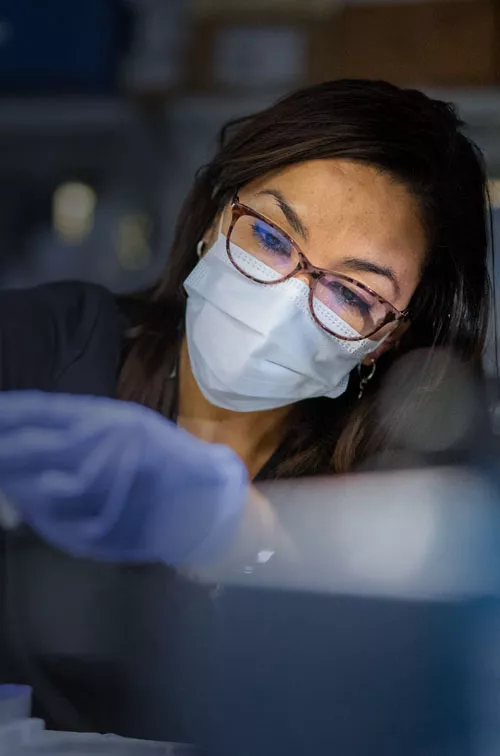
59,337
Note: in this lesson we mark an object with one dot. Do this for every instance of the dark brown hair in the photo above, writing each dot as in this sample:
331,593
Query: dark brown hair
415,139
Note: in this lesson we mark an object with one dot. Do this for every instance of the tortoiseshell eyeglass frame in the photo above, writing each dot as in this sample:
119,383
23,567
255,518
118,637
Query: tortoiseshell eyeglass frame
394,316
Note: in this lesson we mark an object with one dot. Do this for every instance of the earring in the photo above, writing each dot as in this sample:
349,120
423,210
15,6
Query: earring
200,248
364,379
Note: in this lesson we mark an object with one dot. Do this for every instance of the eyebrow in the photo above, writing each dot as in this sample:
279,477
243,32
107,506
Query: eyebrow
358,265
287,211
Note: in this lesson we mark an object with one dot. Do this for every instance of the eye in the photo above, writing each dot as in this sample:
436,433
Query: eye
271,240
349,298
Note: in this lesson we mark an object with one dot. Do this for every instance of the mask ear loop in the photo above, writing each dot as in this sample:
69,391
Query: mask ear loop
201,247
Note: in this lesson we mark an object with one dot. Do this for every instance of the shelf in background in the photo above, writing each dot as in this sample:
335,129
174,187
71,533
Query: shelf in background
41,115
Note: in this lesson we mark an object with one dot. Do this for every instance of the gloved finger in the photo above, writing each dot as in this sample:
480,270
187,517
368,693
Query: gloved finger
115,480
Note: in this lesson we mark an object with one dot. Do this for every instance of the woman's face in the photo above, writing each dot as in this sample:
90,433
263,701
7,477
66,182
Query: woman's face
348,218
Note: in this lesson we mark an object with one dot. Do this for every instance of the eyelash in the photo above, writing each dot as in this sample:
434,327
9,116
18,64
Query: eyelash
264,233
338,289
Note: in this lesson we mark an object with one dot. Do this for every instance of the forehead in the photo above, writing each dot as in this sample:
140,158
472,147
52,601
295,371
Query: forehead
351,209
327,192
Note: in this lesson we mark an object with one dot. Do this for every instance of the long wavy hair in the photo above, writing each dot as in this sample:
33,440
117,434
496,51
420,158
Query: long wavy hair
415,139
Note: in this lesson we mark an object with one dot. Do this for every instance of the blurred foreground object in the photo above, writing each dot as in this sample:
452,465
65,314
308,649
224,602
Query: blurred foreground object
22,736
381,637
115,481
86,479
432,409
440,398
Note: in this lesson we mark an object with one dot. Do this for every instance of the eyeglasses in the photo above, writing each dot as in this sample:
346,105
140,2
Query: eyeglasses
266,254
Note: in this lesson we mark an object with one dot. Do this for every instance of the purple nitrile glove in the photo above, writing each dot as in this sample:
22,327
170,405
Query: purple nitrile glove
114,480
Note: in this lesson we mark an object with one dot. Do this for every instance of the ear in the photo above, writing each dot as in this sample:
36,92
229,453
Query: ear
201,248
210,235
391,342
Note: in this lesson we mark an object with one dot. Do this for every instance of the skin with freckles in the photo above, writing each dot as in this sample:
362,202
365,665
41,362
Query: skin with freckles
346,217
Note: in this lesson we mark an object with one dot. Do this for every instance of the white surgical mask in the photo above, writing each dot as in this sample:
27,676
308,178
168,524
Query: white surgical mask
256,347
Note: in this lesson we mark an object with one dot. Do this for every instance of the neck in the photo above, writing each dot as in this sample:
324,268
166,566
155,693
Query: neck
254,436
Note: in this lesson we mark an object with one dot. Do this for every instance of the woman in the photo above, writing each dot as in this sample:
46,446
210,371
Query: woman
369,202
342,227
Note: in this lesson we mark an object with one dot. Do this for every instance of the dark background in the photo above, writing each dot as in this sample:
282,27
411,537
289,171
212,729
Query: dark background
107,107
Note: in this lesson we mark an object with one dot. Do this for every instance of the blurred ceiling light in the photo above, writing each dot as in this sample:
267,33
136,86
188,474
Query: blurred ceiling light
73,207
494,189
133,236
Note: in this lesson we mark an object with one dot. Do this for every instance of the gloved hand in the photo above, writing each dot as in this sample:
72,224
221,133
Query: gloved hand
116,481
